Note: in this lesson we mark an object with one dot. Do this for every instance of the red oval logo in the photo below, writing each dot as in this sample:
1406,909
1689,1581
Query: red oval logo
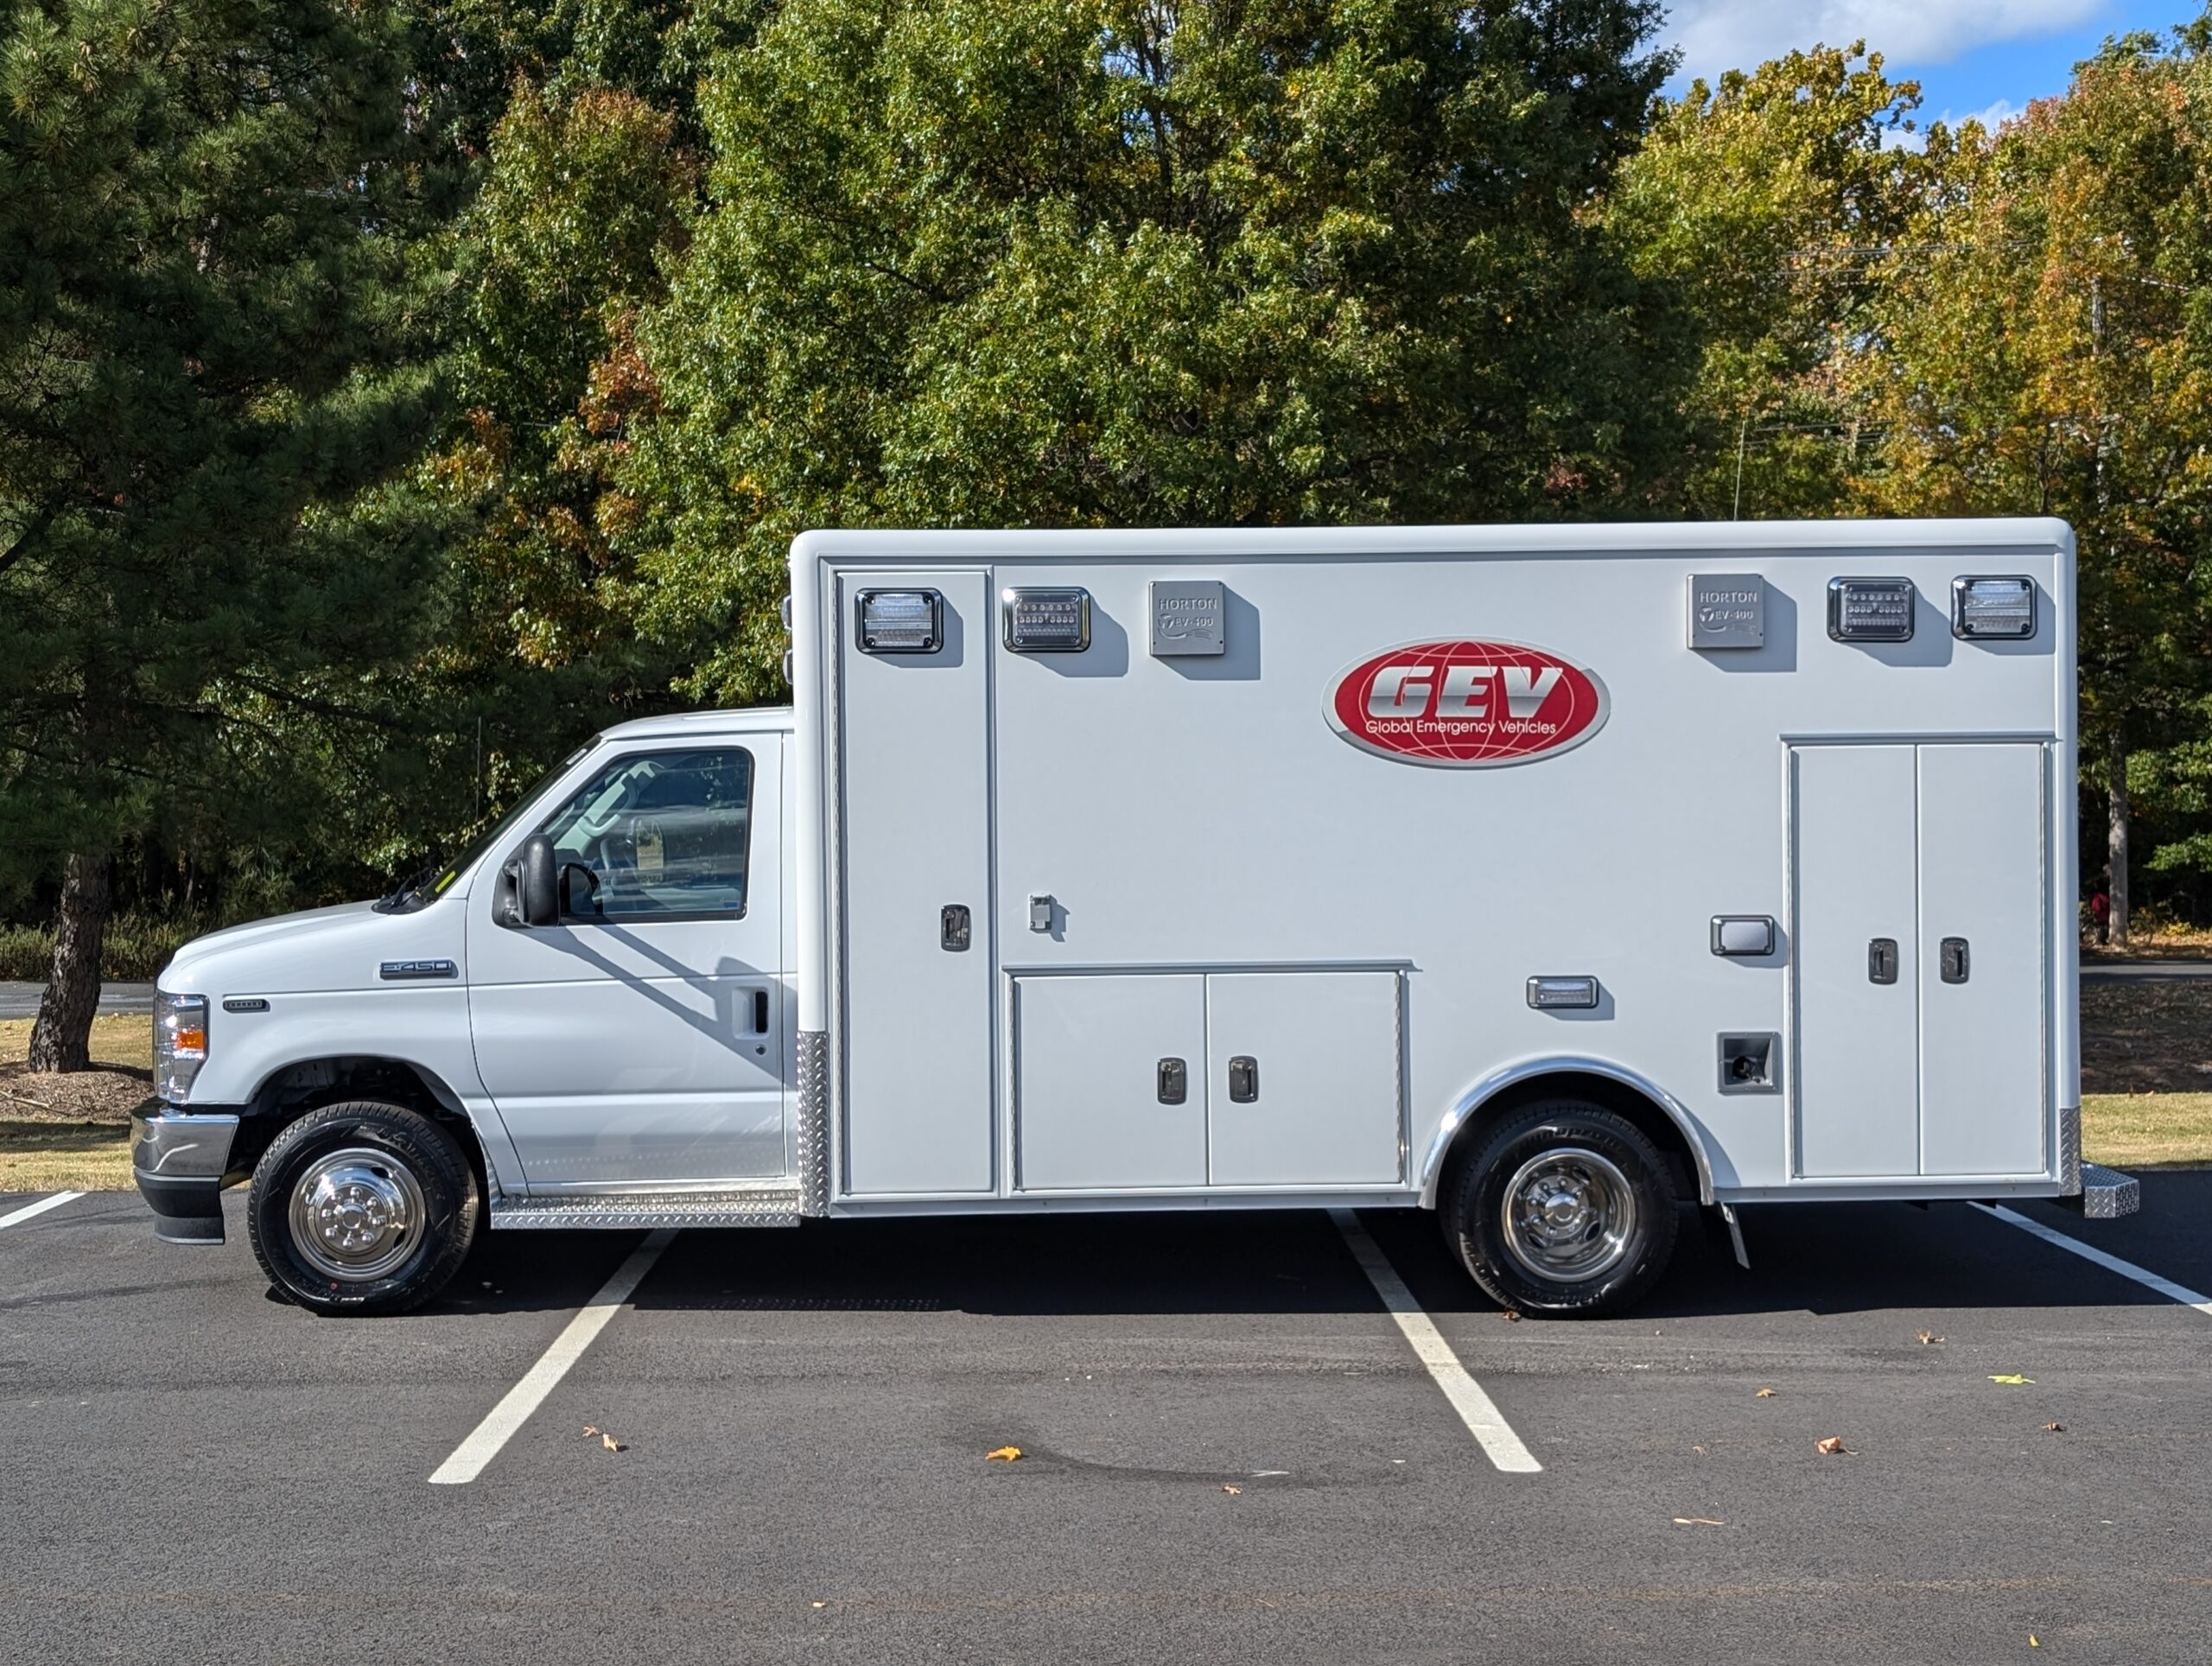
1466,704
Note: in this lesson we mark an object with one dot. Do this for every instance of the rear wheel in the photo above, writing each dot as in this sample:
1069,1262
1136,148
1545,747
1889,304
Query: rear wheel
362,1208
1565,1210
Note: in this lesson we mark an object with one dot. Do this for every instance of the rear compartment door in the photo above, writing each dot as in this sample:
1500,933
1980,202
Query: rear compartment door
1858,1021
1981,997
1918,948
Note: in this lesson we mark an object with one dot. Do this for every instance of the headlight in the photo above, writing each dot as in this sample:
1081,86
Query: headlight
179,1044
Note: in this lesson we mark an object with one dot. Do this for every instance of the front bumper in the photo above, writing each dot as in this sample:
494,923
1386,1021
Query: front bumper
181,1161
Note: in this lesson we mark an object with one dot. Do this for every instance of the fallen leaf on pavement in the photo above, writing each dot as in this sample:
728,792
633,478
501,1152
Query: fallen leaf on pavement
1763,1394
1231,1491
1005,1454
2033,1641
2055,1428
612,1444
589,1431
2012,1378
1832,1446
1511,1315
1927,1338
821,1605
1698,1521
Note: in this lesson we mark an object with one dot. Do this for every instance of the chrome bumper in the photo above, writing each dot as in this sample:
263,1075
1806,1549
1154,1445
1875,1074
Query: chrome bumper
176,1145
179,1159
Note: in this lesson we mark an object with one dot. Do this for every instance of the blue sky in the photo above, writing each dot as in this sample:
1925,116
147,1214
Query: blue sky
1984,58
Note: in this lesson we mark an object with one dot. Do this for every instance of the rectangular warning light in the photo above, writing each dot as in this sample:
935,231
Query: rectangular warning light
1870,609
1999,608
1545,994
901,621
1047,621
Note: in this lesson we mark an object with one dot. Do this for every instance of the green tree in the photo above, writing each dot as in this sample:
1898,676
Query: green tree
2042,344
1759,209
209,368
1225,262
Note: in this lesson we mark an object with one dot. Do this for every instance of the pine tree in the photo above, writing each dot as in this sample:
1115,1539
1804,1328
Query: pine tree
210,366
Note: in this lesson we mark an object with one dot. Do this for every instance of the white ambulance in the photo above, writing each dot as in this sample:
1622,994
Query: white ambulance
1550,877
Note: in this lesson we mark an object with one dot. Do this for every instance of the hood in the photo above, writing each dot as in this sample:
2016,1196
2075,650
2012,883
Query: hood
338,948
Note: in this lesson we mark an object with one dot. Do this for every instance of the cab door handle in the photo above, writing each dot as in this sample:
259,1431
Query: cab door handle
760,1012
1951,960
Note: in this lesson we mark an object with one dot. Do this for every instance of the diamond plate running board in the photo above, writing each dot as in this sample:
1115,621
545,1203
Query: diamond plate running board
751,1205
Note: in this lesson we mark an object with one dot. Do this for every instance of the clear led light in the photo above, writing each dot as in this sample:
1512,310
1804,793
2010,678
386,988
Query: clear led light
1047,621
1870,609
1548,993
901,621
1999,608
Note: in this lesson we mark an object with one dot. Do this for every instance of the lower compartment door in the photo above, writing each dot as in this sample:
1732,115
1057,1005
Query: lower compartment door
1094,1107
1302,1078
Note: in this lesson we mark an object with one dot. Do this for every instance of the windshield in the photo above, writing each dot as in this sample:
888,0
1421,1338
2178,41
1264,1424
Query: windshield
434,881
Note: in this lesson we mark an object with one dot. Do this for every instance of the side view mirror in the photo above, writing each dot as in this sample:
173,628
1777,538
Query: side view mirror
579,891
537,885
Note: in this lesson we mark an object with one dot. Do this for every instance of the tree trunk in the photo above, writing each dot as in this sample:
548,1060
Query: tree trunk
62,1037
2116,835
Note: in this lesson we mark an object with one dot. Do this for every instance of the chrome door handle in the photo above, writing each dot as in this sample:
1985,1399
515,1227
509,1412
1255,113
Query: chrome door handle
1243,1080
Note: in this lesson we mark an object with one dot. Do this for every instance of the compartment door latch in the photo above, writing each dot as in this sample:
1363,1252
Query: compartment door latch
1243,1079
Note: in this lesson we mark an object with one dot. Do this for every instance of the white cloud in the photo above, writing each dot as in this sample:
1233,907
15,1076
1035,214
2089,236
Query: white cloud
1993,118
1718,35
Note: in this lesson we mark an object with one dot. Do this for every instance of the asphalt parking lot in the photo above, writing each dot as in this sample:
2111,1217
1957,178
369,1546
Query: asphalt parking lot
1231,1451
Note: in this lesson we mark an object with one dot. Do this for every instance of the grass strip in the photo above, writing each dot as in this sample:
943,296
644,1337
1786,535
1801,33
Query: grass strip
2147,1130
64,1157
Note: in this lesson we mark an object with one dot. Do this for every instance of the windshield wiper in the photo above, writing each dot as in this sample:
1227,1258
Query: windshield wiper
408,894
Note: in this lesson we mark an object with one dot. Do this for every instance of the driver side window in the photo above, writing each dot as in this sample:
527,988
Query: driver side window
663,833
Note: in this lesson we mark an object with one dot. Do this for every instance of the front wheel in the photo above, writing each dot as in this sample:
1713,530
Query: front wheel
1566,1211
362,1208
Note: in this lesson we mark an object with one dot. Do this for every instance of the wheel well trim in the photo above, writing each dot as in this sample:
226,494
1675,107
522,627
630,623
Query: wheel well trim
1526,1070
435,1084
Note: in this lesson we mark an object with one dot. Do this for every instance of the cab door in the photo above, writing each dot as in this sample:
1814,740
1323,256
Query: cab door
640,1042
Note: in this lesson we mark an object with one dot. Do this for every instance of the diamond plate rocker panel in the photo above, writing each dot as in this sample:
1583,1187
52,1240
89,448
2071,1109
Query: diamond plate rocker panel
2069,1149
772,1204
814,1121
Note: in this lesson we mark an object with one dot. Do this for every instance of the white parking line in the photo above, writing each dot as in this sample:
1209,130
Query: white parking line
513,1410
1484,1420
38,1208
2142,1276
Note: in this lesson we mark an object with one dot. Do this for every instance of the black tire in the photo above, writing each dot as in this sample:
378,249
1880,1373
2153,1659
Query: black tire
1602,1251
398,1202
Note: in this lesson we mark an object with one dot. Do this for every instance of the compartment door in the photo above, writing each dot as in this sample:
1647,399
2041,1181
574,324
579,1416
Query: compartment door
914,740
1302,1078
1092,1110
1857,1057
1981,1017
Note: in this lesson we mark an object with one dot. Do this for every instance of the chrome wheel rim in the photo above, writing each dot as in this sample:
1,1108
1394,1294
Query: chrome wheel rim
1569,1215
357,1214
